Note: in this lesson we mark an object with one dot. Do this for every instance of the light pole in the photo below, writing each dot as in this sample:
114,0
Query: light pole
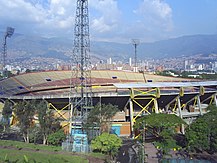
135,43
9,32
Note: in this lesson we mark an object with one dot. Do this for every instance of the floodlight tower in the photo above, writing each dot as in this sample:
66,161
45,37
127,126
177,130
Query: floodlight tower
9,32
81,65
135,43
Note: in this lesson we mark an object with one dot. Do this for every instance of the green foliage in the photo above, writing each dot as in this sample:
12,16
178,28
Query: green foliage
26,159
209,76
100,116
6,158
107,144
25,112
162,126
7,74
32,156
211,108
158,122
48,123
6,113
22,145
35,135
56,138
7,109
166,142
202,133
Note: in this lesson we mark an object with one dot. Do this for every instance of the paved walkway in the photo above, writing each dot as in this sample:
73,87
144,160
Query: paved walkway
129,151
151,151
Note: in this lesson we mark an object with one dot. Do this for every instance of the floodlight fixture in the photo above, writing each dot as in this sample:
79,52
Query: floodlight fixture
135,43
9,32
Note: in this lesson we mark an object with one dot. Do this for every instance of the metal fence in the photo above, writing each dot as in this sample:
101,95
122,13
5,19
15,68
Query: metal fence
76,143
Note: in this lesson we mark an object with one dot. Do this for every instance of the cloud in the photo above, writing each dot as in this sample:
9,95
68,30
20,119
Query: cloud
56,17
151,21
156,14
107,21
105,18
38,16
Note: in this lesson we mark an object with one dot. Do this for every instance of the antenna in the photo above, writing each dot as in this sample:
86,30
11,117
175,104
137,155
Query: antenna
135,43
9,32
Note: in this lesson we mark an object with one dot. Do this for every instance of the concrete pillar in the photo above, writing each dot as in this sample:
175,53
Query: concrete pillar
199,104
180,114
179,107
156,106
131,118
215,100
167,108
183,129
70,119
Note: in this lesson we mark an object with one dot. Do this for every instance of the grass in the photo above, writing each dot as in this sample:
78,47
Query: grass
17,144
20,156
97,155
20,152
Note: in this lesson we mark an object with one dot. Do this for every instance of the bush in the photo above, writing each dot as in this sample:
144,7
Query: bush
107,143
202,133
35,135
56,138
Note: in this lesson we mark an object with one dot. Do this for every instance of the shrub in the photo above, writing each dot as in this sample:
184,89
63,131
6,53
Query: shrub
107,143
56,138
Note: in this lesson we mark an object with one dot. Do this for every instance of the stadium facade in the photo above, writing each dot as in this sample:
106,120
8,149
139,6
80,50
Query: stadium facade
135,94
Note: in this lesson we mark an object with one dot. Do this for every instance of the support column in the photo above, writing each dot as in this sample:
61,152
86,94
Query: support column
215,100
70,119
156,106
167,108
179,107
180,114
199,104
131,118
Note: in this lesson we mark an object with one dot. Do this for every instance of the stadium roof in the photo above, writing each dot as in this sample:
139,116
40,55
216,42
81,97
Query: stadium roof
165,84
58,82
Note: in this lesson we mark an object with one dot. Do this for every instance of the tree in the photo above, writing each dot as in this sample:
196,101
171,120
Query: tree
202,133
48,124
6,113
107,143
162,127
25,111
100,116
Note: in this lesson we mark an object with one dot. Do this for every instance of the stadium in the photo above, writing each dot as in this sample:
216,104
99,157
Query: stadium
134,93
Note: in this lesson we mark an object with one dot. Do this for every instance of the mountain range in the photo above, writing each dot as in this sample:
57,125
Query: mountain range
22,46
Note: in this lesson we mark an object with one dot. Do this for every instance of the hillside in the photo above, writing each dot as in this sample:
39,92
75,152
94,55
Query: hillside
30,46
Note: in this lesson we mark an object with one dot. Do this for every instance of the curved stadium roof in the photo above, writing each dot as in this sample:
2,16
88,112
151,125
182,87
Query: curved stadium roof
58,82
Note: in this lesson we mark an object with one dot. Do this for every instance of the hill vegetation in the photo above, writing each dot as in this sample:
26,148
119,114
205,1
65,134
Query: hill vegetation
32,46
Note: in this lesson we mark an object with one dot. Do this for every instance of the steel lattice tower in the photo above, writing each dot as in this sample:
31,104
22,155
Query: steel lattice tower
81,65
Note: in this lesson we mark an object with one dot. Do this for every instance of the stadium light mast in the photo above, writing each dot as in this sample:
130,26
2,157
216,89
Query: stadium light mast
81,65
9,32
135,43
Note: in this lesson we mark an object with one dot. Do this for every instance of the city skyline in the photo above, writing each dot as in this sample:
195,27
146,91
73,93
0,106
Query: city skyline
112,20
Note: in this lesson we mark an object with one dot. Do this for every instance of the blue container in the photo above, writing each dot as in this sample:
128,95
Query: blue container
116,129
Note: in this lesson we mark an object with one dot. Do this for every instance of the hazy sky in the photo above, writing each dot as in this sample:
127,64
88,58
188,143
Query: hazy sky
112,20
